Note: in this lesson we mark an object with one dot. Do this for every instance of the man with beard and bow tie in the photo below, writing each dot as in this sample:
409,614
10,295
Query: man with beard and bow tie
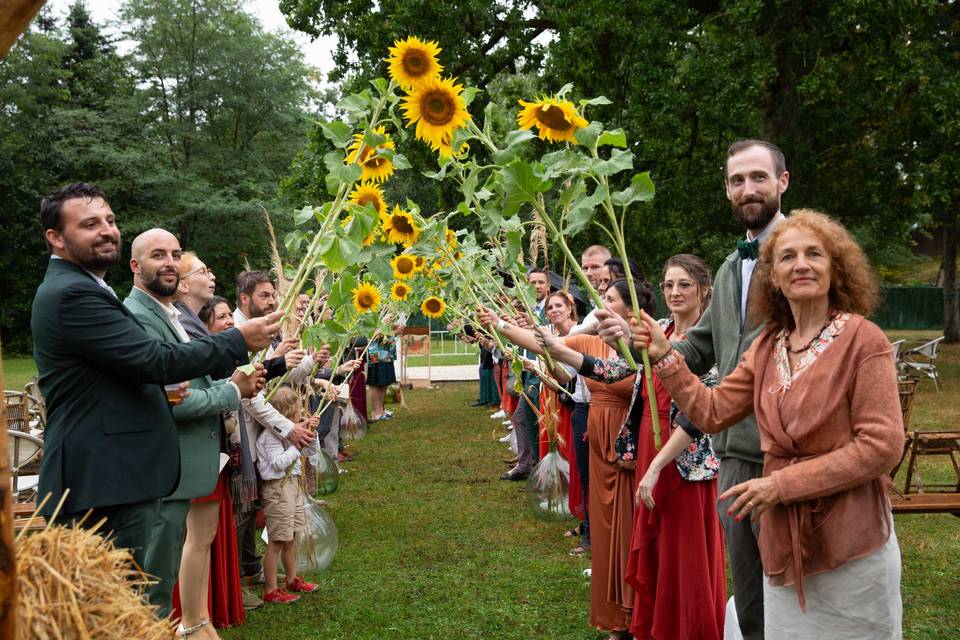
755,178
110,438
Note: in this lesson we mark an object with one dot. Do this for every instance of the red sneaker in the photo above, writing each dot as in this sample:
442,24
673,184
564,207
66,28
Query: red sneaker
280,596
299,585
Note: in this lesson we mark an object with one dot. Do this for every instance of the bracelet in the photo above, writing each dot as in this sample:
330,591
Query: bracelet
501,324
666,361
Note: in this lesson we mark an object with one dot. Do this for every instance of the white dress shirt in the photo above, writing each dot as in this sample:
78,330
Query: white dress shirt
747,265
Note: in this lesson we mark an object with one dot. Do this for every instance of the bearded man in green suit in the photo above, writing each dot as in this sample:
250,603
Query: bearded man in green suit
110,440
155,260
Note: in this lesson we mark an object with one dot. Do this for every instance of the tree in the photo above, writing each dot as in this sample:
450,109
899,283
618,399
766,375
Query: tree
829,82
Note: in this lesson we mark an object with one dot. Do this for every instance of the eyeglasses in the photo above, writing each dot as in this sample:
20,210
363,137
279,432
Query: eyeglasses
207,271
682,285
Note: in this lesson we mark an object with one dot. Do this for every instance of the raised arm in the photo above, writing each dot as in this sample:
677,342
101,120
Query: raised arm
523,338
711,409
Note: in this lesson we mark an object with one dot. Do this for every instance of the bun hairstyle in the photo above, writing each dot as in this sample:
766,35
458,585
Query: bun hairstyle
645,295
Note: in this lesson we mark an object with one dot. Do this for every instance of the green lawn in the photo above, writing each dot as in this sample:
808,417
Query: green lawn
433,546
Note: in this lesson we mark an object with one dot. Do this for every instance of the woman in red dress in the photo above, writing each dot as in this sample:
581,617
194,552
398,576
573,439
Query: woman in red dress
562,314
676,564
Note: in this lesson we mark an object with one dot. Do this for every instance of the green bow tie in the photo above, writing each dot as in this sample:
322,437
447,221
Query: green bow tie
748,249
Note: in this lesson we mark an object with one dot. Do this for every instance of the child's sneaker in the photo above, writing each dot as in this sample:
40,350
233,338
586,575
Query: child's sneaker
280,596
299,585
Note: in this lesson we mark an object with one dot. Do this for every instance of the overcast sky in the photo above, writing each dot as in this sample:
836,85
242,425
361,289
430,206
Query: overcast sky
318,53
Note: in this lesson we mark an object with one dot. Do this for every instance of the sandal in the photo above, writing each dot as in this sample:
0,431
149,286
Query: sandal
184,632
572,533
579,550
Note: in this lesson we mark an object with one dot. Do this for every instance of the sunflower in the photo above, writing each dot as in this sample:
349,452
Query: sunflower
413,61
399,226
366,298
451,237
438,109
556,119
369,193
399,291
375,168
433,307
420,262
404,266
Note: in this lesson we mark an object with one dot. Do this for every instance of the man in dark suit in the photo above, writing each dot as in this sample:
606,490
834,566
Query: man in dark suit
110,438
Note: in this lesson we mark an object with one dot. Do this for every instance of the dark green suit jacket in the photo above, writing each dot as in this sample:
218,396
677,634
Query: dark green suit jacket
110,435
198,417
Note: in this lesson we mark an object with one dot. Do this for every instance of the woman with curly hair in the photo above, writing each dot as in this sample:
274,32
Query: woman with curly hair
823,387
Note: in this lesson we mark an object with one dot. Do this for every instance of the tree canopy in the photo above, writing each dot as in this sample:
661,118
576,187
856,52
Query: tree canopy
190,131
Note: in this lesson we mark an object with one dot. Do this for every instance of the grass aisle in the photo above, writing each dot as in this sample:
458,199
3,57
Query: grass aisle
432,544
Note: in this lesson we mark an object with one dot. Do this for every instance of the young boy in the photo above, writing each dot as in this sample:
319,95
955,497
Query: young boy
282,497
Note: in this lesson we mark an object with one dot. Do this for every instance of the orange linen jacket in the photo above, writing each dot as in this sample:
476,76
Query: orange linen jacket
829,442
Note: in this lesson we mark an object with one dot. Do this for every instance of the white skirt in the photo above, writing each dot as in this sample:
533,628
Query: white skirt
860,599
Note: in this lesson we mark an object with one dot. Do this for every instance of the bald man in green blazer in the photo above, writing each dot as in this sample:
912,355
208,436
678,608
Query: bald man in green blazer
155,265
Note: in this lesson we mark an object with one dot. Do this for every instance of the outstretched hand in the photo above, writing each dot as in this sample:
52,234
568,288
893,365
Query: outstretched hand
611,326
487,317
545,338
648,334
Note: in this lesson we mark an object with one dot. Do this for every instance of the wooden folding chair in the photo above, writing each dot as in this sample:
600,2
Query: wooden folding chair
907,390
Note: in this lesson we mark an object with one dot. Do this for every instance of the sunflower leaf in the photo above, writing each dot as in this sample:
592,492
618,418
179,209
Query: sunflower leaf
469,94
562,163
581,211
615,138
620,160
347,173
599,100
514,245
520,186
514,141
355,104
469,186
400,161
373,139
564,90
588,135
334,257
293,240
339,133
641,189
303,216
380,84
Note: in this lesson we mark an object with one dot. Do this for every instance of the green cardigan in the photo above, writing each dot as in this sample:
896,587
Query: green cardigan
198,417
718,339
110,436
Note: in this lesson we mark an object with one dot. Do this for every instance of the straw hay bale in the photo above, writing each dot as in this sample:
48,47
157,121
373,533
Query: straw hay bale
75,584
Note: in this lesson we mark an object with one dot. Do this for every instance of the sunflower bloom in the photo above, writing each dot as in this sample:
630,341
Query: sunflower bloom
433,307
366,298
404,266
420,262
399,227
451,237
556,120
400,291
438,109
375,168
369,193
413,61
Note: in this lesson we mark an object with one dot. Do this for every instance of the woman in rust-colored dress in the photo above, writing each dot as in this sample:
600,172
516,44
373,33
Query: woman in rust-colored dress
612,478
